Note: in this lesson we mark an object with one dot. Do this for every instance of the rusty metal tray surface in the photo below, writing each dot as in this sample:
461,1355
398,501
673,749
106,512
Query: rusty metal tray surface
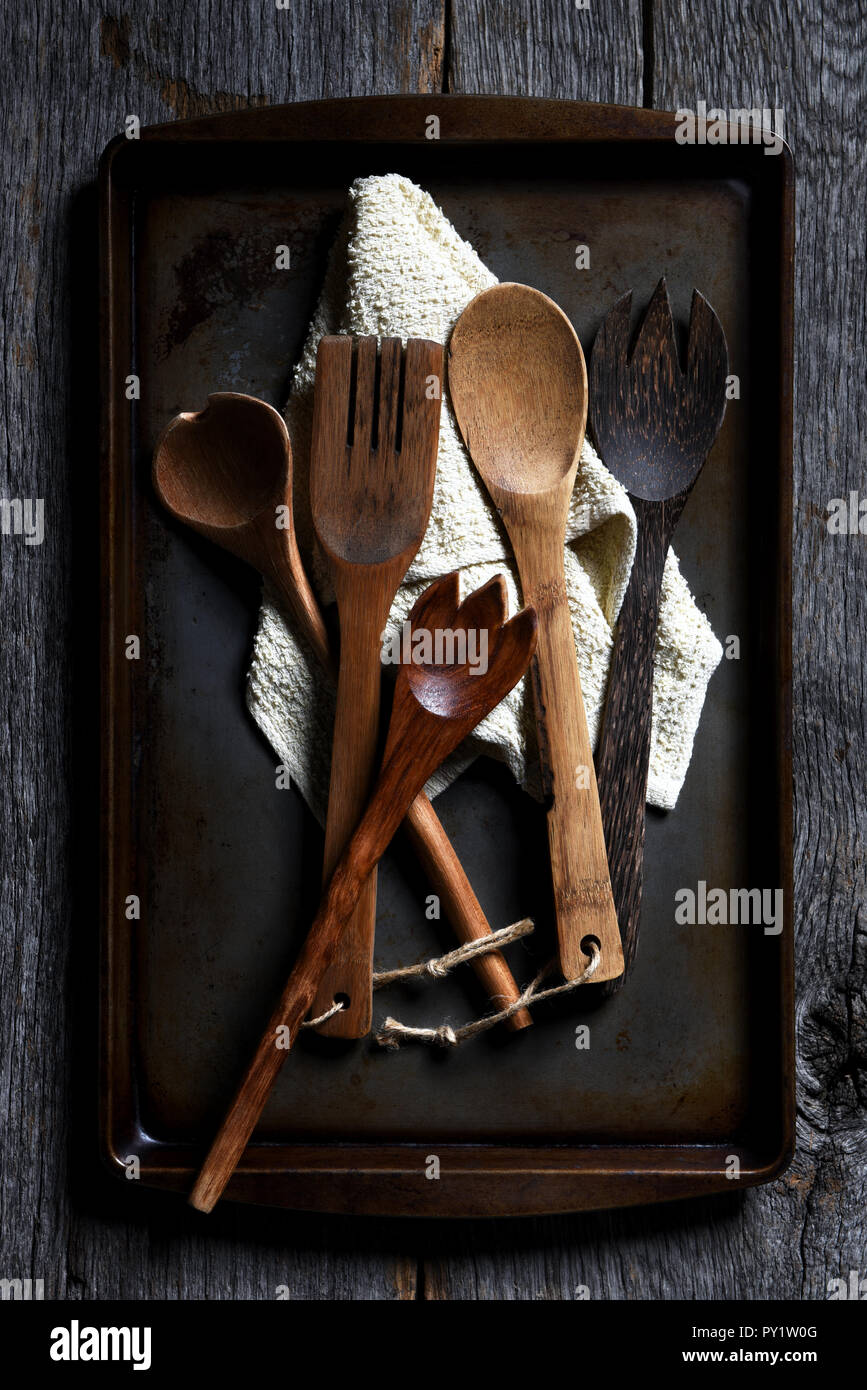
692,1062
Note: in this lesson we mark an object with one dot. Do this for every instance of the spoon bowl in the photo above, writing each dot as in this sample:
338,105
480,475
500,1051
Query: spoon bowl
523,426
221,466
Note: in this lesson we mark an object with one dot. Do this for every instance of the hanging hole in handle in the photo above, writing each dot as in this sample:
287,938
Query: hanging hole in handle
343,1000
587,942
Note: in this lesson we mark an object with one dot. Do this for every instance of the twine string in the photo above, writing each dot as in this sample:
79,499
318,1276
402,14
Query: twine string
393,1033
439,966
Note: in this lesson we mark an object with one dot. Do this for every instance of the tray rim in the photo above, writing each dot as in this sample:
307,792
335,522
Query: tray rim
377,1179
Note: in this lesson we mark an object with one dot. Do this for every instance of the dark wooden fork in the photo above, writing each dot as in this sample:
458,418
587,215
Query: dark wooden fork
654,424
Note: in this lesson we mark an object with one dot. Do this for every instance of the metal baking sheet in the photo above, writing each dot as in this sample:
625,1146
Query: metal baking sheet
692,1061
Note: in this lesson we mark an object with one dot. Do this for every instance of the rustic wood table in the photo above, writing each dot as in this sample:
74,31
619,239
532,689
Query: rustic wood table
72,75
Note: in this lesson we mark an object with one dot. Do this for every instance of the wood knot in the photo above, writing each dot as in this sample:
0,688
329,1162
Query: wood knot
549,595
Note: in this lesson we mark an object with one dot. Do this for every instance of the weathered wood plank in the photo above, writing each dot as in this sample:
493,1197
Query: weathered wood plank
809,60
69,84
68,88
547,48
789,1239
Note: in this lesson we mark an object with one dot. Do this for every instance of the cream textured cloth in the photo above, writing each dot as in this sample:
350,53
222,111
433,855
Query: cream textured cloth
399,269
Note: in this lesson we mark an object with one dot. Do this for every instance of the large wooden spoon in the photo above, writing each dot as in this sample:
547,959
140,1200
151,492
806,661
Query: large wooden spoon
519,390
226,472
435,706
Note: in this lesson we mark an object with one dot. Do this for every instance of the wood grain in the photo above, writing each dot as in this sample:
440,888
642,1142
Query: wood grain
518,387
548,48
201,472
226,471
788,1239
810,62
61,1221
370,501
654,421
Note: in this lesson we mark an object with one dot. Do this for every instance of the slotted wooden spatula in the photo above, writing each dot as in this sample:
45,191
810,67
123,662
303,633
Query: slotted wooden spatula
373,455
435,706
654,423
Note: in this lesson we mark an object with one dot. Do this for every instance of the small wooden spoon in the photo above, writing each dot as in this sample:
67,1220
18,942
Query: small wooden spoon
434,708
519,390
226,471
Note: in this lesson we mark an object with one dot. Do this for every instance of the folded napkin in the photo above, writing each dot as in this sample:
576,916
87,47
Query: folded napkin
399,269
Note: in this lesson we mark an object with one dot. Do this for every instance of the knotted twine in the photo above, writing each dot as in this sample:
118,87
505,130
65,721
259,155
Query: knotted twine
393,1033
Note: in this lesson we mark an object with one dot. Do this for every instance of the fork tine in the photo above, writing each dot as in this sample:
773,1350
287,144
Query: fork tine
438,602
508,645
485,607
365,393
421,399
655,335
391,351
612,340
332,396
707,356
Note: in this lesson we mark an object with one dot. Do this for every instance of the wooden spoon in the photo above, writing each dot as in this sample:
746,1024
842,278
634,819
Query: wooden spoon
226,472
435,706
654,424
519,390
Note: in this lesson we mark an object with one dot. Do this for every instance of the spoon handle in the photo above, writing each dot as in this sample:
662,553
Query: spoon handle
623,751
579,869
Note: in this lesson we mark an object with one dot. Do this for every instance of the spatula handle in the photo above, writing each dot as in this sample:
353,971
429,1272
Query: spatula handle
429,839
400,779
281,1032
623,750
579,869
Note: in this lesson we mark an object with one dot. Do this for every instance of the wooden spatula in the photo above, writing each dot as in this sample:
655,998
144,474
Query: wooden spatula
435,706
519,389
654,423
373,455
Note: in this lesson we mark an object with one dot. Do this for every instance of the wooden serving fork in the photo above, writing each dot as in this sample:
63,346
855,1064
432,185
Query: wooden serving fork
373,456
654,424
435,706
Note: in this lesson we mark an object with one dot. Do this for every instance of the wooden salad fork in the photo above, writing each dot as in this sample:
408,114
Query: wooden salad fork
519,390
654,423
226,472
435,707
373,454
